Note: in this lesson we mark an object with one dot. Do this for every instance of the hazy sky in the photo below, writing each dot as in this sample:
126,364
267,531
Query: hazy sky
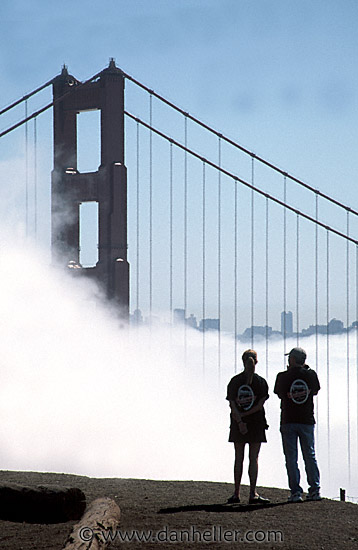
280,77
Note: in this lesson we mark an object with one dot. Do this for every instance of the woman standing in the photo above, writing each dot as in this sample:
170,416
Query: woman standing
247,393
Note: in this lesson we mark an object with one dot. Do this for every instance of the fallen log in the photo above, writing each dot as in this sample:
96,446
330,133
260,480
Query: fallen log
41,504
97,527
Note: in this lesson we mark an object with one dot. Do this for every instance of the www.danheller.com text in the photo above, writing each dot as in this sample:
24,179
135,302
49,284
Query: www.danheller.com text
216,533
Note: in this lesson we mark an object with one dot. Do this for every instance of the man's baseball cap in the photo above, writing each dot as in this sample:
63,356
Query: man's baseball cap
299,354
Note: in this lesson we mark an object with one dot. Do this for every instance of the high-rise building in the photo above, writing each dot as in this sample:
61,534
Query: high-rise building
286,323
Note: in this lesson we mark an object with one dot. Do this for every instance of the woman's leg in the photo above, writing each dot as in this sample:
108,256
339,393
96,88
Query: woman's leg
254,449
239,460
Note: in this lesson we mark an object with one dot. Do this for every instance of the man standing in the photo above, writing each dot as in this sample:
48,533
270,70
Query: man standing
296,387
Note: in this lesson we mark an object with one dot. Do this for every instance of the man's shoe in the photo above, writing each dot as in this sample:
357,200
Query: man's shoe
296,497
233,500
259,500
314,496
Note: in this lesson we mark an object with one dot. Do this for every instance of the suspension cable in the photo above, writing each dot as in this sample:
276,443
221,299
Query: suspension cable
35,176
284,265
328,365
26,171
316,307
236,145
219,261
252,248
235,275
356,331
243,182
150,208
27,96
204,264
267,284
171,234
348,361
185,237
138,220
298,280
49,105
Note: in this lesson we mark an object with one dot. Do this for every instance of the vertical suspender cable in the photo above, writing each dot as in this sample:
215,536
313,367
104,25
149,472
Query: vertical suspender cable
204,266
316,300
267,283
348,358
26,173
171,233
35,176
356,331
284,264
150,208
328,367
252,248
137,223
219,261
298,280
235,276
185,235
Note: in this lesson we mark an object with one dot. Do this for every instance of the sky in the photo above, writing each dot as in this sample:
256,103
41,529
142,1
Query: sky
279,77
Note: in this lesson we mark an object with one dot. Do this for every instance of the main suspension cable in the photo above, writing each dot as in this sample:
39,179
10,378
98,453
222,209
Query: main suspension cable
49,105
243,182
238,146
26,97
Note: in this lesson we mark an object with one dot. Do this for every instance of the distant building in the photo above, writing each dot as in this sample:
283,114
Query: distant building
262,331
286,323
335,326
209,324
191,321
179,316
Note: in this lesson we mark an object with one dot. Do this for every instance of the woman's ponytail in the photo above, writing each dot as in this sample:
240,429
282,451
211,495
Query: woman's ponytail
249,359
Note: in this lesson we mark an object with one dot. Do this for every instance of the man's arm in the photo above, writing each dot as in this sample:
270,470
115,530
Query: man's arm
278,390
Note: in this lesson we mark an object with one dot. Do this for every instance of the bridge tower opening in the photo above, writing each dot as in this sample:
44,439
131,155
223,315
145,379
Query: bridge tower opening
107,186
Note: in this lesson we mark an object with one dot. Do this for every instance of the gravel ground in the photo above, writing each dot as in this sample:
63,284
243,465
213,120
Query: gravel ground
191,514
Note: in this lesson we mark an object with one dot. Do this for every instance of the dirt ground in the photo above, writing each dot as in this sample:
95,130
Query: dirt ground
188,514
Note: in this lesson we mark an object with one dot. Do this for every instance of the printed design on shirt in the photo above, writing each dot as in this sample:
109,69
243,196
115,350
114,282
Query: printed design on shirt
245,397
299,391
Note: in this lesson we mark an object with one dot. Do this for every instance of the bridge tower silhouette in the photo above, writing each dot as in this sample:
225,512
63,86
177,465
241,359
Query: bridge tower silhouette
107,186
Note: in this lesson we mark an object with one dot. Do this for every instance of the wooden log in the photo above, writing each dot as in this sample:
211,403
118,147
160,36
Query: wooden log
97,526
41,504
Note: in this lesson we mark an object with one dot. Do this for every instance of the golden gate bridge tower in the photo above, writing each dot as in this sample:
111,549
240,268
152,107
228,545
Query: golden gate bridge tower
107,186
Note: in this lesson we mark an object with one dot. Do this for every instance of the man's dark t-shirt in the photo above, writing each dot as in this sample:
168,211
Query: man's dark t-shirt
296,387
